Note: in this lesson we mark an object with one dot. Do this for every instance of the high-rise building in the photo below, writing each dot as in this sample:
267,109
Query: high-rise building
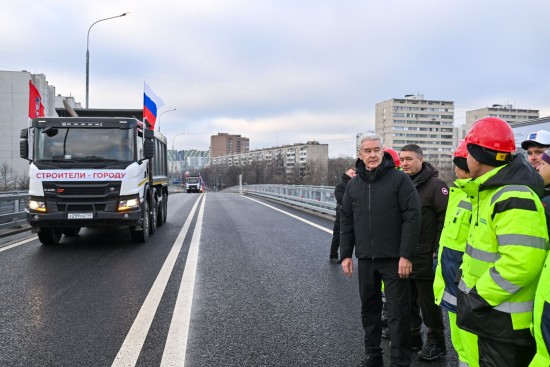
415,120
224,144
14,104
505,112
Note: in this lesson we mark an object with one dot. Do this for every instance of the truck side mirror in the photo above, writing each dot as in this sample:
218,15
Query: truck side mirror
149,148
24,149
149,134
24,144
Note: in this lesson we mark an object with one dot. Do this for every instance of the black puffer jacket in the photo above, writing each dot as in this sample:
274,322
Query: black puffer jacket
434,195
340,189
380,214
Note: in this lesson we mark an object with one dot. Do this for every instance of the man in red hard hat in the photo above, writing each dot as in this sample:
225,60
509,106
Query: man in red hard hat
506,246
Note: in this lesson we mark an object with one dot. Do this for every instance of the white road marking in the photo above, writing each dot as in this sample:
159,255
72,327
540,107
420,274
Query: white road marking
176,341
18,243
131,347
293,216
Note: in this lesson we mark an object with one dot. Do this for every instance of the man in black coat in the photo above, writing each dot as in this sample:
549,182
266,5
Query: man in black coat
434,195
380,220
339,190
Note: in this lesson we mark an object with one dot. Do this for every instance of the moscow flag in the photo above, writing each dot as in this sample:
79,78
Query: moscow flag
151,104
36,109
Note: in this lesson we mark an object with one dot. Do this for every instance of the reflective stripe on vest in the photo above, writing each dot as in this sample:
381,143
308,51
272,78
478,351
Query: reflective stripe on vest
463,287
486,256
463,364
503,283
515,307
449,298
520,188
508,307
522,240
465,205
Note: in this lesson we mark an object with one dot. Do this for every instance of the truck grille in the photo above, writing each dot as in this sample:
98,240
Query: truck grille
82,196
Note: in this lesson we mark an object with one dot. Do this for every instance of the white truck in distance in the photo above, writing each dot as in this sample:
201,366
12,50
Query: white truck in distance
94,172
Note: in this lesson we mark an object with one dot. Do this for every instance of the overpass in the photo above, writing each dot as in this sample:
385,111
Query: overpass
229,280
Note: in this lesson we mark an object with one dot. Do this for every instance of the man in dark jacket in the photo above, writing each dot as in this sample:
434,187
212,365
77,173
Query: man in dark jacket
339,195
380,220
434,195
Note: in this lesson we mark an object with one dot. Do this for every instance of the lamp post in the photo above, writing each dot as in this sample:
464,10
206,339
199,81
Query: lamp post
88,53
158,121
175,153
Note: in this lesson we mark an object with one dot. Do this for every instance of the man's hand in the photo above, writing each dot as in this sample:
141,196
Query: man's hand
347,266
405,268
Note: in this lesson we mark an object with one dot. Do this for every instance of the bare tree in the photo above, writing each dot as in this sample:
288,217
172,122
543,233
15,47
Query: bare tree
23,181
8,177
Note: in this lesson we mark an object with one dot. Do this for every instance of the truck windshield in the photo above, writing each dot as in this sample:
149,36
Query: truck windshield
84,144
192,180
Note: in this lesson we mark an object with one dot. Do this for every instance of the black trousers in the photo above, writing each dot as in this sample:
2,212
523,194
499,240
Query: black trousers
423,303
493,353
335,244
397,290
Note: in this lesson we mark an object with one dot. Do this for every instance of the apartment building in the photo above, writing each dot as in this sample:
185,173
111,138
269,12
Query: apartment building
288,159
506,112
415,120
224,144
14,104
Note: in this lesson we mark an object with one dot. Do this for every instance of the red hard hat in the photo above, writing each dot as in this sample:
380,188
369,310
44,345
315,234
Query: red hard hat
461,151
492,133
394,155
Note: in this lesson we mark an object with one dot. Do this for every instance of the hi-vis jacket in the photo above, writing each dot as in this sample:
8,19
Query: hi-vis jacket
451,246
505,253
541,316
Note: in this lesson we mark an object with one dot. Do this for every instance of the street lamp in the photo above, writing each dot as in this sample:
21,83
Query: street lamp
158,121
88,53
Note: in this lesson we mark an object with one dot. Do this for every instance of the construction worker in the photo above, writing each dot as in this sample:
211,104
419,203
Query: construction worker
506,247
449,258
541,311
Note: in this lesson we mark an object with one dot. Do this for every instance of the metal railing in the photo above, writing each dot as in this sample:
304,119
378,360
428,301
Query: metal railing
12,208
317,198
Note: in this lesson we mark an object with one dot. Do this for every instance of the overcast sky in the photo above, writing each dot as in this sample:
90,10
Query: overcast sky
283,71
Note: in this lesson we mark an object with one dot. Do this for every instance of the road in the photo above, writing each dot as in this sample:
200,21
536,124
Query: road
257,290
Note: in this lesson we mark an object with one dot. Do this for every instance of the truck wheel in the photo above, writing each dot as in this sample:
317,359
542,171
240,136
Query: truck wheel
164,207
160,212
71,231
143,234
153,219
50,236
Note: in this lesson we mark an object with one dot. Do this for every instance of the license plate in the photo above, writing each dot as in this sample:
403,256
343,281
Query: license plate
80,216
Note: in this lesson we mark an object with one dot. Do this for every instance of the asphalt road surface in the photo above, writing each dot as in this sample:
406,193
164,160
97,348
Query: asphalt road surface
228,280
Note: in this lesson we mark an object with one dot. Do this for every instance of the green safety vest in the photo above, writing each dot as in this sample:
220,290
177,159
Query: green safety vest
453,237
506,248
542,311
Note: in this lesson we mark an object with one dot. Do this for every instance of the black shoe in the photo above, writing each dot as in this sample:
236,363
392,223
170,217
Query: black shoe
432,351
372,360
416,343
335,260
385,333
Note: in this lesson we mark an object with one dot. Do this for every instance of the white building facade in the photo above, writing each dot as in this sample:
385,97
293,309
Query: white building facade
415,120
14,113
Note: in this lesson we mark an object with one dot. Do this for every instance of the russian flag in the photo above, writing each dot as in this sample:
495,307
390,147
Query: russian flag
151,104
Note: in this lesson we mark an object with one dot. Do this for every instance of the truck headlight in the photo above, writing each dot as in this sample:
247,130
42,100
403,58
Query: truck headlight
126,204
36,205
